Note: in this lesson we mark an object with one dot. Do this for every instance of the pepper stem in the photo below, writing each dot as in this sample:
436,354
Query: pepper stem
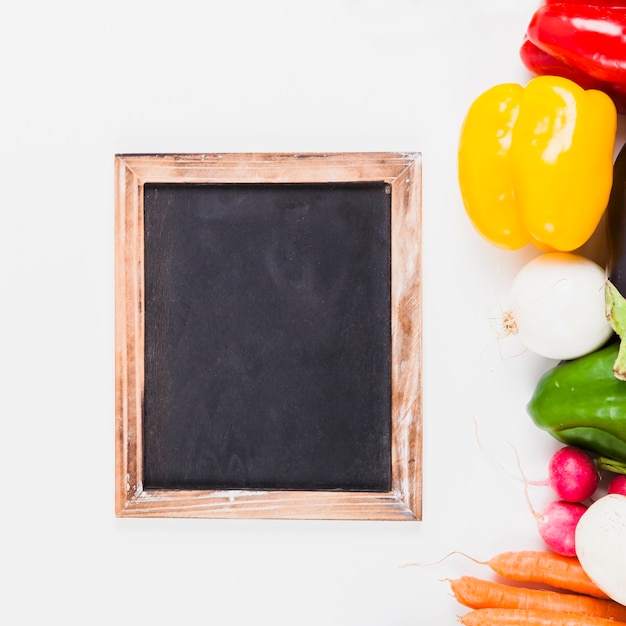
616,316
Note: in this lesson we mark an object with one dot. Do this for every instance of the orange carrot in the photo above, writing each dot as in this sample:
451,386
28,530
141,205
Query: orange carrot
530,617
476,593
549,568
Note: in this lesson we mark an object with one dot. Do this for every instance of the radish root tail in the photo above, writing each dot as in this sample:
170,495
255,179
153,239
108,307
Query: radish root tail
525,481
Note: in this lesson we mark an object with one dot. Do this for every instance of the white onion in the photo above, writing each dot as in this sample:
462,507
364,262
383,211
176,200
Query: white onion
557,306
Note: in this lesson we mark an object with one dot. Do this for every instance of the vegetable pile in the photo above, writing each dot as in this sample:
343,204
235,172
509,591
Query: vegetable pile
536,167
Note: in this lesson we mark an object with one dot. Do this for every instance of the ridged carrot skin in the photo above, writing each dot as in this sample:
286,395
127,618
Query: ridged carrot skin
477,593
545,567
532,617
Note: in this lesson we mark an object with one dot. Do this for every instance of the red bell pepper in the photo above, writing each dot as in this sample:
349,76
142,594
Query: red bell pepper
591,38
606,3
584,41
541,63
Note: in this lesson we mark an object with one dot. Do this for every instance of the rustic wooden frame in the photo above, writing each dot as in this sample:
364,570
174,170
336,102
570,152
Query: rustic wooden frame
403,173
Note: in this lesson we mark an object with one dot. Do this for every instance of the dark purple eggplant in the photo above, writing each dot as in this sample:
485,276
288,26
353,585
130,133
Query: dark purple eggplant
616,225
616,260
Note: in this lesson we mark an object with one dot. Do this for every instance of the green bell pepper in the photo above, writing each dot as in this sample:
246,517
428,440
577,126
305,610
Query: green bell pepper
581,403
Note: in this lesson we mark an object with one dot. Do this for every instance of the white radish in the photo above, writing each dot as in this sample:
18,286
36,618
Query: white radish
557,306
600,541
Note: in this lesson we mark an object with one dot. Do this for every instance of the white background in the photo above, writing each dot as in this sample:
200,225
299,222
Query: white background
83,81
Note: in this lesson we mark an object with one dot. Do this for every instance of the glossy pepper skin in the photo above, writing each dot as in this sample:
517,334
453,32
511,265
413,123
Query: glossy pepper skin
535,163
581,403
541,63
590,37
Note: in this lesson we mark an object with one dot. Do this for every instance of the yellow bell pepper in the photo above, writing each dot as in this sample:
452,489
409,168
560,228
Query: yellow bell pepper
535,163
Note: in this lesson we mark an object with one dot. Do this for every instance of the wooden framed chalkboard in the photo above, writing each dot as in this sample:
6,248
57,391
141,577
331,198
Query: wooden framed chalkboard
268,336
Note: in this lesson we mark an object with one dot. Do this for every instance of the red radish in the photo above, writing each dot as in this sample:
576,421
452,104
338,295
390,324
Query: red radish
572,474
617,485
557,523
557,526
